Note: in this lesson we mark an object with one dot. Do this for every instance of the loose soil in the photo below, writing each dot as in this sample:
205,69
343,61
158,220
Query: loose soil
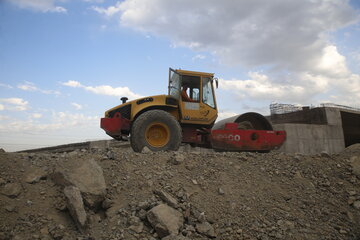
242,195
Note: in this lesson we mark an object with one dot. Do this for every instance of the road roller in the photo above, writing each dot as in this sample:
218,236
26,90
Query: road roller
188,114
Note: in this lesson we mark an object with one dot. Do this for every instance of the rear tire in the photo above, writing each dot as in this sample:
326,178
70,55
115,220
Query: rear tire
156,129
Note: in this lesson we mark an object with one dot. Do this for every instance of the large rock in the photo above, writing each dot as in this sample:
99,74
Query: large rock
12,190
76,206
165,220
177,158
34,175
206,229
166,197
86,175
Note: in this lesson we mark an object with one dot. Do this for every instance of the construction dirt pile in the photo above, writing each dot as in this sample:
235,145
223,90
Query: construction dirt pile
118,194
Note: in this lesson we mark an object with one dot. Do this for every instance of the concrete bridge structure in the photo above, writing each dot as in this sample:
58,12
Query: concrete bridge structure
315,130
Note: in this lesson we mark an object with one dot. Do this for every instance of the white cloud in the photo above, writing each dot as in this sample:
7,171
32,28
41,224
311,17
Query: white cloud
77,106
259,86
56,121
29,86
4,85
225,114
14,101
330,77
331,63
4,117
104,90
108,90
110,11
279,32
72,83
198,57
67,119
14,104
290,39
36,115
39,5
50,92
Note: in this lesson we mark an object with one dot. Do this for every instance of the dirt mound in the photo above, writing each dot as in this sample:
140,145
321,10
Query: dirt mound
188,195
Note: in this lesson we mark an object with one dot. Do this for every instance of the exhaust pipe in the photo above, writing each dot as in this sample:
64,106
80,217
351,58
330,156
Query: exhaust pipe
124,99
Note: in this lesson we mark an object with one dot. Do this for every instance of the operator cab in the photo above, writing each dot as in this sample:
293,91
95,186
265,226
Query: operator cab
195,93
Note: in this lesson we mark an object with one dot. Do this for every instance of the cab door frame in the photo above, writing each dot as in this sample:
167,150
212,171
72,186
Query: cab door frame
199,113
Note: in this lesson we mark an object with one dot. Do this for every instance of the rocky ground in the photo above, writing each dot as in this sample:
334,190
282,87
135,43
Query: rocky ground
118,194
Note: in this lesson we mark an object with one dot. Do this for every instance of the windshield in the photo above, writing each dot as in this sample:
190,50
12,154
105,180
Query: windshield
174,84
208,97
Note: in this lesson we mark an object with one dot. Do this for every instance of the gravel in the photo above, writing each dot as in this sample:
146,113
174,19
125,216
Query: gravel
215,195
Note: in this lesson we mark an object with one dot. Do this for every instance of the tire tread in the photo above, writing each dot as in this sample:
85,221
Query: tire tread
137,137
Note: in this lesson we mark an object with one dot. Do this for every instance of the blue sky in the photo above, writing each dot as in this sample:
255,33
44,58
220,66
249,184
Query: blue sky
63,63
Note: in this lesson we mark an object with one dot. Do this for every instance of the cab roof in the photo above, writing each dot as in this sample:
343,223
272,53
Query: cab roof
186,72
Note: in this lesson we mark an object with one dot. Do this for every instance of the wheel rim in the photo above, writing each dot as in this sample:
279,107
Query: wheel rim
157,134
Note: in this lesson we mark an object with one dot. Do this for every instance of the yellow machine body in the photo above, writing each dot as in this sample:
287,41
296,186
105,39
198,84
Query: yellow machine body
139,105
196,112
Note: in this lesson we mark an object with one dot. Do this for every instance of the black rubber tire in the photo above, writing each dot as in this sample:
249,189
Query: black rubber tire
137,136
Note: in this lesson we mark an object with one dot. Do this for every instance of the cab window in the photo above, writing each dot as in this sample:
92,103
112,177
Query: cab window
174,84
190,88
207,92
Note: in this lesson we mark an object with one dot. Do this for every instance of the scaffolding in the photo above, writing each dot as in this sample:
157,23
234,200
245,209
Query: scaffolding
281,108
